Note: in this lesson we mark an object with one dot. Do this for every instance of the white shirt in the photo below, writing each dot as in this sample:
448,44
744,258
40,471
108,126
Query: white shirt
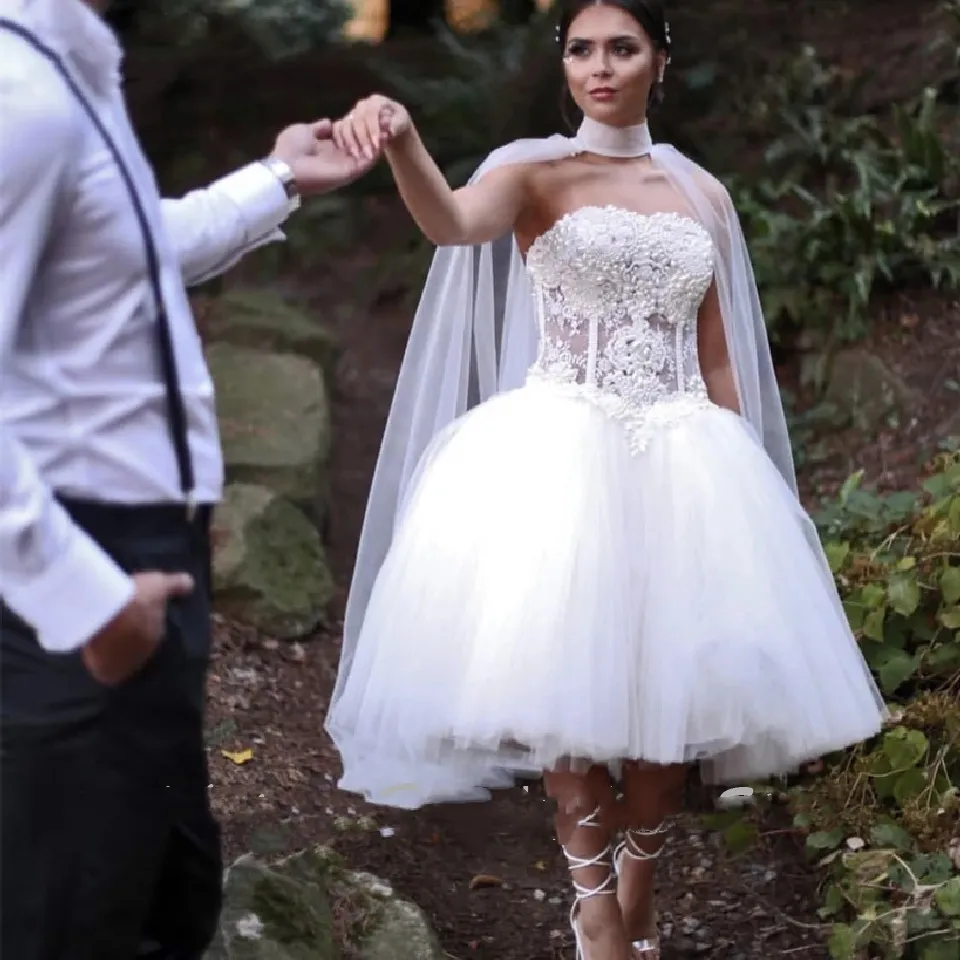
82,401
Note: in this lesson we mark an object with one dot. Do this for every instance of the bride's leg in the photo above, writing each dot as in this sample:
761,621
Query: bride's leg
653,796
584,834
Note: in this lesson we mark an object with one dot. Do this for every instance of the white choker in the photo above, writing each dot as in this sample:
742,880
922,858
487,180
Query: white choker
607,141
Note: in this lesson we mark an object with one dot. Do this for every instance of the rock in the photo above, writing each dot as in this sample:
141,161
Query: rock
269,566
270,915
262,320
274,422
866,390
285,911
398,922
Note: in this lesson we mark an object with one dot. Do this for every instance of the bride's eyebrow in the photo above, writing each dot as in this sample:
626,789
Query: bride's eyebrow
620,38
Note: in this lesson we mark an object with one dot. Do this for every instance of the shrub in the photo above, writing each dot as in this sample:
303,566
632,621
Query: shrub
848,205
460,100
884,819
279,27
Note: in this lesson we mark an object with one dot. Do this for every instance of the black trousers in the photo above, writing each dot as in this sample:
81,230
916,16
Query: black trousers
109,847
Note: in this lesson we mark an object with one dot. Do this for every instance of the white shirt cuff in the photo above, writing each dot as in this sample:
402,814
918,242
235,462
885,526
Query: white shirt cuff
260,197
78,594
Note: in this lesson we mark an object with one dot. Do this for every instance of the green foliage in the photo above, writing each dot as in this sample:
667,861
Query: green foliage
459,100
885,818
848,204
280,27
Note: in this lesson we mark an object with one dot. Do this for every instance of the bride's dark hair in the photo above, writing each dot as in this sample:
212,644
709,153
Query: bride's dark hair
650,14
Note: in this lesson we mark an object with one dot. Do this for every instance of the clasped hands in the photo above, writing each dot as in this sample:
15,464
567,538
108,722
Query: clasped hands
328,154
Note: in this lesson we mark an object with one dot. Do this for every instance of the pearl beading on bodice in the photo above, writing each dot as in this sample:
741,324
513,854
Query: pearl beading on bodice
618,296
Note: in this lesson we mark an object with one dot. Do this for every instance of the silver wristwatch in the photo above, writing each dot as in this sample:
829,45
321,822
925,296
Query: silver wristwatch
285,175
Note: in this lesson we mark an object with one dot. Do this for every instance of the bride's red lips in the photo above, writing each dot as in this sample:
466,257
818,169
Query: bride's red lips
602,93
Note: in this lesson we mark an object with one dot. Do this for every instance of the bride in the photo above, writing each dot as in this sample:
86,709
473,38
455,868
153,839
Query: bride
583,554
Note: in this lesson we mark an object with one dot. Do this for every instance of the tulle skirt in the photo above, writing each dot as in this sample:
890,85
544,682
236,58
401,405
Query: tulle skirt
554,599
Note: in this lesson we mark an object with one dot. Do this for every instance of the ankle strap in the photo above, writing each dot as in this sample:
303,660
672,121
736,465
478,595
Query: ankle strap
630,844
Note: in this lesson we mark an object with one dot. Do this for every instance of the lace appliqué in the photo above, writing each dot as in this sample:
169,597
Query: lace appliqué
619,295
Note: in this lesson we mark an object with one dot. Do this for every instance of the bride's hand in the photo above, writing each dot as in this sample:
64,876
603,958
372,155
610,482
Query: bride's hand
370,126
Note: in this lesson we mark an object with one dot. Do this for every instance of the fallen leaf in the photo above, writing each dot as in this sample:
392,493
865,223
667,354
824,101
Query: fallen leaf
239,757
484,880
540,865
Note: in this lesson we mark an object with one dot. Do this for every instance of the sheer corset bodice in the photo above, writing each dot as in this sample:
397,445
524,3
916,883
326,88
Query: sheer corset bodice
618,293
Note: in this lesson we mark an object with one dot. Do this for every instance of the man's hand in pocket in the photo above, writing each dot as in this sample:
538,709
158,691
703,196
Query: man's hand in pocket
125,644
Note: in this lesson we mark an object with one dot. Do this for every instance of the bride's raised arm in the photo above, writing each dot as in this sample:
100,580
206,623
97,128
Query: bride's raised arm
476,213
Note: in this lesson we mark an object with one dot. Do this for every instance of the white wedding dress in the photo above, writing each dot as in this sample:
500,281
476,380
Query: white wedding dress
603,564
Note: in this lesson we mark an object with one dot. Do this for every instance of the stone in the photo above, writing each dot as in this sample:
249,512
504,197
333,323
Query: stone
263,320
286,911
866,390
275,424
402,931
269,566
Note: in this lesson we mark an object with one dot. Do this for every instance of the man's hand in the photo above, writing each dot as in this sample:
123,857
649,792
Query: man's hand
318,165
125,644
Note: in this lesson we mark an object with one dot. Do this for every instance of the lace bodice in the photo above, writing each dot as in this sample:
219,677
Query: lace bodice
618,295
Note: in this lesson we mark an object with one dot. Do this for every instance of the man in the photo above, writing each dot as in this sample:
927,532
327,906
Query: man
107,438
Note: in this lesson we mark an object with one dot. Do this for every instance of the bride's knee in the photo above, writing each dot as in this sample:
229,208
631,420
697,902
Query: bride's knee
653,793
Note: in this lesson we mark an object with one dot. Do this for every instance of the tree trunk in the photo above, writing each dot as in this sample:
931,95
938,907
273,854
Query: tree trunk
414,16
517,12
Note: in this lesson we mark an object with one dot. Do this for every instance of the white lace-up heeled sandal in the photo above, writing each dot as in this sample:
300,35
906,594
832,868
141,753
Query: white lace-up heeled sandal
647,948
608,886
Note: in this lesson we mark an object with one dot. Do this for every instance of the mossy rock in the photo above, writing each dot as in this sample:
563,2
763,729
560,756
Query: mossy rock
263,320
311,907
275,425
269,566
866,390
269,914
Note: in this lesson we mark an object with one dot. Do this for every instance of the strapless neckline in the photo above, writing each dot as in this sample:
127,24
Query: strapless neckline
616,210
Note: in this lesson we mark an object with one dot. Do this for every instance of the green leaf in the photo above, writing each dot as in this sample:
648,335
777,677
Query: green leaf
950,583
953,517
908,785
890,835
837,554
950,618
895,670
854,612
873,595
843,942
947,897
833,902
903,592
905,748
821,841
946,656
849,485
740,837
873,625
944,948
